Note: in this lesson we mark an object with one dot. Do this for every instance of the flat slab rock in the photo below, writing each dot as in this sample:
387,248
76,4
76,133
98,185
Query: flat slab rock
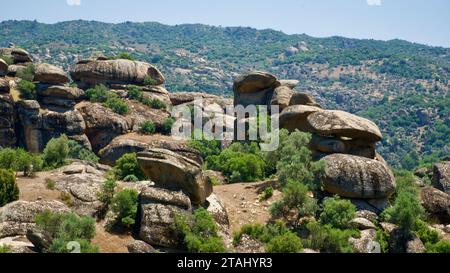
254,81
357,177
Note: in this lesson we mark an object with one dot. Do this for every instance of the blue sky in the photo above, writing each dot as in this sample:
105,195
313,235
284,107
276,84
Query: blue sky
423,21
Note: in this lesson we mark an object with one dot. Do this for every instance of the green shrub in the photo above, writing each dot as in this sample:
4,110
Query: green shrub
56,152
27,90
98,94
135,93
147,127
123,56
293,160
116,104
260,232
27,73
383,239
439,247
206,148
64,228
266,194
328,239
150,81
286,243
9,191
295,199
5,249
8,59
426,234
337,213
240,162
50,183
77,151
156,104
200,233
128,165
106,193
125,205
166,126
131,178
20,160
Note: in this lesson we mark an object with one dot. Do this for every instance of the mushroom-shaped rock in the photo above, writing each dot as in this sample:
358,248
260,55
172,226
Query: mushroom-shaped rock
295,117
254,81
173,171
357,177
47,73
91,73
343,124
282,97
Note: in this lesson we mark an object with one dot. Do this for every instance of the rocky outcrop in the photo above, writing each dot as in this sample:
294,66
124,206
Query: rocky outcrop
282,97
134,143
50,74
331,145
158,208
4,85
289,83
441,176
188,97
436,203
94,72
102,124
173,171
303,99
366,243
18,217
295,117
140,247
18,55
357,177
7,121
3,68
254,81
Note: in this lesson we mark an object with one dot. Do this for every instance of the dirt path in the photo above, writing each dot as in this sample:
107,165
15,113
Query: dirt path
111,243
32,189
243,205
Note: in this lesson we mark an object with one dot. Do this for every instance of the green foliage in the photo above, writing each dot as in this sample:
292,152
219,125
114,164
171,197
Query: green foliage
131,178
200,233
56,152
166,126
116,104
135,93
293,160
123,56
27,73
337,213
439,247
106,194
50,183
431,239
206,148
125,205
328,239
147,127
150,81
286,243
240,162
27,90
20,160
8,59
64,228
153,103
9,191
77,151
128,165
266,194
102,94
98,94
295,200
383,239
5,249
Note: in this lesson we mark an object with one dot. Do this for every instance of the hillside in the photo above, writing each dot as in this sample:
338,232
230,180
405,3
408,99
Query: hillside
402,86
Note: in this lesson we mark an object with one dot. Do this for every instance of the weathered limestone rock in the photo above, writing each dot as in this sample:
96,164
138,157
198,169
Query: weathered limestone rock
366,243
173,171
362,223
254,81
357,177
47,73
91,73
436,203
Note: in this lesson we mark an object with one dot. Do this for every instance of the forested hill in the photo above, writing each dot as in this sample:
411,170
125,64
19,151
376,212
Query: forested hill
402,86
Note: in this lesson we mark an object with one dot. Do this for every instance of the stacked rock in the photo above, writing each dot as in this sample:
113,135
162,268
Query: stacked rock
344,141
20,59
7,133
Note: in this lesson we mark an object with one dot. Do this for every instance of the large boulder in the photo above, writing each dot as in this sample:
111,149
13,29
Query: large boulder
4,85
282,97
7,121
254,81
102,124
3,68
188,97
140,113
436,203
303,99
173,171
357,177
18,55
91,73
441,176
343,124
134,143
47,73
158,208
295,117
19,216
366,243
289,83
140,247
62,92
330,145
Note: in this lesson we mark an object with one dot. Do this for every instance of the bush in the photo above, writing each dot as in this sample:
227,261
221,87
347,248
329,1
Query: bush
116,104
123,56
128,165
154,103
149,81
293,160
328,239
286,243
9,191
166,126
77,151
27,73
131,178
106,193
439,247
5,249
240,162
56,152
50,183
260,232
20,160
206,148
135,93
267,193
383,239
61,229
97,94
8,59
337,213
147,127
27,90
295,199
125,205
200,233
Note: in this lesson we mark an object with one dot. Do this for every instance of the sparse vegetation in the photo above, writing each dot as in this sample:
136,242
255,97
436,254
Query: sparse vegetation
20,160
266,194
147,127
76,151
50,183
102,94
27,90
9,191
